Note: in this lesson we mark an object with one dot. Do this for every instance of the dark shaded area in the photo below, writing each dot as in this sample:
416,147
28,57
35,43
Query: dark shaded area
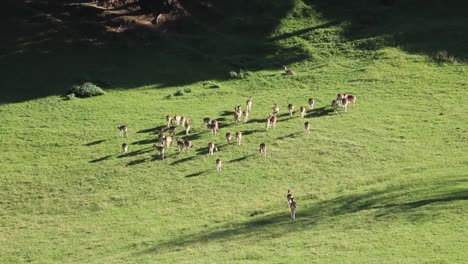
100,159
151,130
183,160
145,141
408,203
135,153
97,142
417,26
60,43
291,135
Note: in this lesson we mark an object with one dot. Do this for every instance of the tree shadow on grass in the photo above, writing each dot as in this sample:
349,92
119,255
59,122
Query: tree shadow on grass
145,141
151,130
408,203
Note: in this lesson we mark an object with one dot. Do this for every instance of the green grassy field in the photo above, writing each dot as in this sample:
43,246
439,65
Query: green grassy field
386,182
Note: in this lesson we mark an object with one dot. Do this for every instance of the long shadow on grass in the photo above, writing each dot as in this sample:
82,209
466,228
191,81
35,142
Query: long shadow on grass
136,162
151,130
145,141
391,203
319,112
100,159
241,158
97,142
196,174
135,153
291,135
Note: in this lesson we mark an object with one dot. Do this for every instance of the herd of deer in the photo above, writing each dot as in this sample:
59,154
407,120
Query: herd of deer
165,140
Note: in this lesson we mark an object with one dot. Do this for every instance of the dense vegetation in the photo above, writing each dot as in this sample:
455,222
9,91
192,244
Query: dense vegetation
386,182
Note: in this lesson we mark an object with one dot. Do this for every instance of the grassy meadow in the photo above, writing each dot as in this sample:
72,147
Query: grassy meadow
386,182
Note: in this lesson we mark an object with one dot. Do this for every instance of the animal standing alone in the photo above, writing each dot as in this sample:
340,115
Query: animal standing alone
239,137
288,71
229,137
123,130
263,149
311,103
303,111
219,165
307,127
212,148
124,148
291,108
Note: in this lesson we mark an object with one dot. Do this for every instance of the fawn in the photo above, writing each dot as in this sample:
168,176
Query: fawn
124,148
212,148
248,104
219,165
303,111
239,137
123,130
311,103
263,149
291,108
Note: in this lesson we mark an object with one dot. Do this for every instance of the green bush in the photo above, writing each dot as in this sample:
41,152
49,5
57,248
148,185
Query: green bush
178,93
188,90
211,84
442,57
87,89
238,75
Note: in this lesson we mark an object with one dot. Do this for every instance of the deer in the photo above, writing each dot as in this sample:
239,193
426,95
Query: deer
303,111
237,113
183,120
343,102
248,104
214,127
180,145
311,103
276,108
212,148
291,108
172,130
237,117
245,115
123,129
187,128
268,121
160,150
229,137
167,141
188,144
177,119
292,206
161,135
274,119
263,149
352,99
207,121
287,71
307,127
239,137
219,165
169,120
124,148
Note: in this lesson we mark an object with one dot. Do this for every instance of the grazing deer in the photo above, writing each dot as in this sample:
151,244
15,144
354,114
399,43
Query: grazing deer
161,135
287,71
169,120
167,141
123,129
177,119
214,127
172,130
180,145
307,127
291,108
245,115
212,148
160,150
276,108
303,111
248,104
263,149
207,121
340,96
219,165
124,148
188,144
228,137
311,103
274,119
239,137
